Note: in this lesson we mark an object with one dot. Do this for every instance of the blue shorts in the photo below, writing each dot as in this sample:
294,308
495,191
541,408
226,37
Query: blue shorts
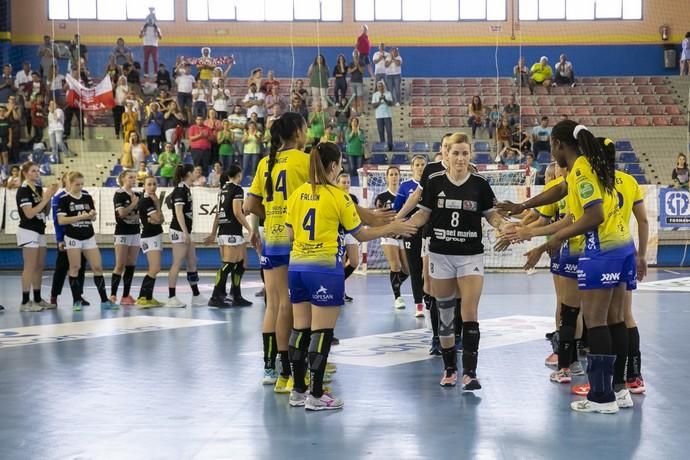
554,265
606,270
567,266
320,289
270,262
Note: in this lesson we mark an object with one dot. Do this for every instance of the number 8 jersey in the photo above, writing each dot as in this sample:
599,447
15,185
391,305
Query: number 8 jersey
290,171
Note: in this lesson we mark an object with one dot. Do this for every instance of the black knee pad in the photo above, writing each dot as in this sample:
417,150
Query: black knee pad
193,277
568,322
470,337
299,344
319,347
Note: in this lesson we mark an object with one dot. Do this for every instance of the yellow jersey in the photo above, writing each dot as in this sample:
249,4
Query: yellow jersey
319,221
629,194
584,190
291,170
557,211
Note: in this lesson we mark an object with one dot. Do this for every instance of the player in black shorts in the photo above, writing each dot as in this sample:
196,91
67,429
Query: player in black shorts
454,202
227,232
76,211
151,217
183,248
125,204
33,205
351,243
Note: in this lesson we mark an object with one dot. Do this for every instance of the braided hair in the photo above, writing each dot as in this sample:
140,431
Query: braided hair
283,129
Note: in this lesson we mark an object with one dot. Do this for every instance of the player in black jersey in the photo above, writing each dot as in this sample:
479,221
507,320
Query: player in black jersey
351,243
33,205
76,212
454,202
227,232
183,248
393,248
125,204
151,217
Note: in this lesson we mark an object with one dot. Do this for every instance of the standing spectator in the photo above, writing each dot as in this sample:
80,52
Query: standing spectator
185,84
121,54
512,111
198,178
685,55
317,121
14,114
493,121
541,136
238,122
121,92
214,125
226,145
78,52
39,119
150,34
220,97
168,161
256,77
142,173
23,76
680,174
204,65
15,179
503,135
163,80
7,87
252,149
342,117
130,120
521,75
301,93
200,98
55,86
214,176
271,83
200,142
532,167
340,75
296,106
164,99
379,61
318,79
565,75
274,102
254,102
355,145
363,48
35,87
45,52
541,74
5,138
56,126
382,102
357,81
133,77
393,78
133,152
173,118
154,128
219,75
477,114
73,110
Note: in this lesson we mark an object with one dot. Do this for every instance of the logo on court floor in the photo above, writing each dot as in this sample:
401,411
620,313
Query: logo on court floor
674,284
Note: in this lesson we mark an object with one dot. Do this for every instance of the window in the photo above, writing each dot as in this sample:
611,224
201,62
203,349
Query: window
265,10
110,10
430,10
579,10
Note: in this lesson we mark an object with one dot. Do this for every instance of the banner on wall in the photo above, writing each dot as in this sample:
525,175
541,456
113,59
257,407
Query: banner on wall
674,208
95,99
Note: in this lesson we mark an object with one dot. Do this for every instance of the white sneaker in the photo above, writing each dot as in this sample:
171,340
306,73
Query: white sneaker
46,305
585,405
199,301
576,368
623,399
399,303
174,302
325,402
297,399
30,306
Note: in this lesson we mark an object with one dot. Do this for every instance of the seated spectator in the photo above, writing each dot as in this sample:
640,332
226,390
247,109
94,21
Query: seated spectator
509,157
520,140
167,160
503,136
163,80
214,176
541,74
512,111
680,174
521,73
477,115
565,75
198,177
271,83
142,173
134,152
493,121
254,102
531,163
121,55
541,136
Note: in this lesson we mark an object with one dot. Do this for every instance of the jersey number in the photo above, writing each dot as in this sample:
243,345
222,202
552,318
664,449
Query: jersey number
455,219
309,221
280,186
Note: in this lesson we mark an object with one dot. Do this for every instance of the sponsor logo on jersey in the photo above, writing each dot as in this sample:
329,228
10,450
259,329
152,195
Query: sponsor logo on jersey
469,205
453,204
610,277
586,190
570,268
442,193
441,203
322,294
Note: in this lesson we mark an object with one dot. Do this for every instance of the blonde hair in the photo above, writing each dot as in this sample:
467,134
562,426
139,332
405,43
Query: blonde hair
25,169
74,175
458,138
122,175
550,173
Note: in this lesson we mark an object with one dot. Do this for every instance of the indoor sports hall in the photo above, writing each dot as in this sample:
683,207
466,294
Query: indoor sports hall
265,229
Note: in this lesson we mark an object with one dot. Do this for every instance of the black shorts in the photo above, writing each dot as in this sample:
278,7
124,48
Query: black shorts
364,59
3,147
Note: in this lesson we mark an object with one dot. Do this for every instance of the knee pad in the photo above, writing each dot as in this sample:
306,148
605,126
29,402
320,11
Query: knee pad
568,322
193,277
299,344
470,337
319,347
446,317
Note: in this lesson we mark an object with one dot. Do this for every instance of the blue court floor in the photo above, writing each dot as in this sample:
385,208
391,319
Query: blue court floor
185,384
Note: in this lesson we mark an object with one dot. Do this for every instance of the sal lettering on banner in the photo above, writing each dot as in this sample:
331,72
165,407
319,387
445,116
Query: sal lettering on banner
95,99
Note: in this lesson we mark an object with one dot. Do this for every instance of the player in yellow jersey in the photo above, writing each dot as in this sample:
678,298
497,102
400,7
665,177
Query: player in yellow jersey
319,214
277,176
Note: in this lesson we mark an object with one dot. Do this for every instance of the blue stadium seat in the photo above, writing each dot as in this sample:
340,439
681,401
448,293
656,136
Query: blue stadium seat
624,146
379,147
634,168
542,169
482,158
111,181
641,179
246,181
24,156
45,169
188,159
544,157
159,179
354,180
401,146
436,147
117,169
628,157
153,158
482,146
420,147
399,159
379,158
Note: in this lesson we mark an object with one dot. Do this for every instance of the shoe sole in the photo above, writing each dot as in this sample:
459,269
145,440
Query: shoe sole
600,410
320,408
268,382
625,404
637,391
561,381
296,403
448,385
474,386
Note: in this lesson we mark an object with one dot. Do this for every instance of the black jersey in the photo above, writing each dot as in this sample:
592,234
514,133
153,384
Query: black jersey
30,197
384,200
128,225
429,169
182,195
5,126
456,213
227,222
147,207
71,206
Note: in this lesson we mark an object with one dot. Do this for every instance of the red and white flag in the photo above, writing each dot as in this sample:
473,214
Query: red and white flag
90,99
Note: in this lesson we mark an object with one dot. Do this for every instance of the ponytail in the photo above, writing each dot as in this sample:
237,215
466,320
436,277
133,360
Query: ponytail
181,171
321,158
121,177
25,169
283,130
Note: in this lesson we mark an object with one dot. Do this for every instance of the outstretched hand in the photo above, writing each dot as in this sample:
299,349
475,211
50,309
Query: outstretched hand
508,208
533,256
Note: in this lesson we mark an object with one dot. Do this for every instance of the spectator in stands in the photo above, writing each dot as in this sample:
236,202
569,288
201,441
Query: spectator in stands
680,174
340,75
45,52
7,87
39,119
297,107
121,54
317,121
329,134
382,100
163,81
154,128
274,102
541,136
512,111
226,145
56,126
509,157
150,34
520,140
565,75
220,96
200,144
204,66
318,79
493,121
6,138
271,83
200,98
503,136
130,120
164,99
133,152
214,176
251,150
168,160
55,86
214,125
256,77
133,78
355,145
521,74
541,74
173,119
357,81
393,78
185,85
79,54
531,163
363,48
238,122
342,117
198,177
142,173
379,60
15,180
35,87
302,93
72,110
220,75
14,114
254,102
477,115
685,55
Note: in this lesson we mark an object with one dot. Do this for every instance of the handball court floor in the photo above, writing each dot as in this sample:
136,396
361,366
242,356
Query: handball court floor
185,383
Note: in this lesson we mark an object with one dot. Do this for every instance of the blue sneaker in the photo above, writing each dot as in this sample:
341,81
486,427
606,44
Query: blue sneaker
108,305
270,377
458,343
435,349
76,306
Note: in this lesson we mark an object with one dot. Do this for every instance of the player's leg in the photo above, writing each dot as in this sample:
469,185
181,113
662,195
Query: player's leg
277,291
130,266
218,297
236,256
193,276
93,257
471,287
121,249
179,252
635,382
391,252
76,284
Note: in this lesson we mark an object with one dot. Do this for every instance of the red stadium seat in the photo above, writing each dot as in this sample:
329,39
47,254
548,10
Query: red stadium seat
564,111
657,80
436,82
614,100
418,112
506,91
672,110
437,91
454,82
668,100
580,100
529,111
560,100
597,100
490,101
655,110
619,110
470,82
642,121
604,121
589,81
457,111
505,82
586,121
418,123
623,121
632,100
419,90
627,90
550,111
419,82
609,90
641,80
582,111
418,101
601,110
558,91
678,121
455,91
437,123
437,101
456,122
636,110
488,91
577,91
647,100
543,101
437,112
594,90
662,90
606,81
660,121
622,81
645,90
488,82
455,101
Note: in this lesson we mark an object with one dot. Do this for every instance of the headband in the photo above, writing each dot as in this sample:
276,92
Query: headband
577,130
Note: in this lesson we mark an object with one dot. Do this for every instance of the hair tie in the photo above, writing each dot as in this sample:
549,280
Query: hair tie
577,130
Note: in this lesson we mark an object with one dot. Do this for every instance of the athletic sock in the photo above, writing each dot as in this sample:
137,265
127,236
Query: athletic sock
127,278
634,357
115,283
171,292
37,295
285,371
193,279
403,277
100,285
458,319
395,283
298,352
349,270
270,350
75,287
433,314
470,348
619,343
319,347
26,297
450,360
600,373
236,280
566,335
219,289
147,285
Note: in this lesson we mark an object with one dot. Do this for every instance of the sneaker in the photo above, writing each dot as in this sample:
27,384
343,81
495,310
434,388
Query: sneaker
174,302
450,378
261,293
335,341
581,390
561,376
76,306
113,298
297,399
585,405
399,303
127,300
331,368
470,383
155,303
85,303
241,302
327,377
636,386
348,298
30,306
551,360
623,398
435,349
325,402
219,303
108,305
419,313
199,301
270,377
577,369
144,303
284,385
45,305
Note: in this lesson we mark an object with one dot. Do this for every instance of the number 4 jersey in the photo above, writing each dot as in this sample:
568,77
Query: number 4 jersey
456,213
